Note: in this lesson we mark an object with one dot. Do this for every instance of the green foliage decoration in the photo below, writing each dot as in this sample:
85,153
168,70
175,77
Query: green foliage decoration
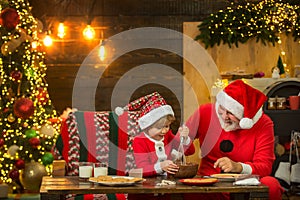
263,20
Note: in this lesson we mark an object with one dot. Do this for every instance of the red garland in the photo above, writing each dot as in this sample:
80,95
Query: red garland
10,18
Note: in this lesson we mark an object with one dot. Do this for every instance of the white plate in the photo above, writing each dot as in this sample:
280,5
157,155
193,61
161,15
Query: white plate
115,183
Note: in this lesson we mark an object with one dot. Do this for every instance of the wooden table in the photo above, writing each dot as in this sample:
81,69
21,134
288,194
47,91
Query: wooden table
57,187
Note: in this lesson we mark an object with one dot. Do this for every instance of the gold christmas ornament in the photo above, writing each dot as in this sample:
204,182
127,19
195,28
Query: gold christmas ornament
47,130
25,124
11,118
31,176
12,150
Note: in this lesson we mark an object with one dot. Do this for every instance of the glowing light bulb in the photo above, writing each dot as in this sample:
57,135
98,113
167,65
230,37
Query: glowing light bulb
61,30
102,51
34,44
48,41
89,32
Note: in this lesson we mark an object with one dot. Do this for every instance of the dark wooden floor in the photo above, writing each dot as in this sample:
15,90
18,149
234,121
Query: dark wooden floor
292,197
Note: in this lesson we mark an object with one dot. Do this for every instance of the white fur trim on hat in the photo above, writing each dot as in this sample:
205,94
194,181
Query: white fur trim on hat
246,123
151,117
230,104
119,111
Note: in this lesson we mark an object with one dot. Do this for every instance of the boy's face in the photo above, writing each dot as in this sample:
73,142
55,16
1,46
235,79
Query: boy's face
159,129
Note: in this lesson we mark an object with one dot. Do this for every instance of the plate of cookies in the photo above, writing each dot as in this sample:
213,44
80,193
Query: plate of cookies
116,180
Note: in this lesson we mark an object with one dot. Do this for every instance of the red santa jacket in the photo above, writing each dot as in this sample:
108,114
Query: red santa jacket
254,146
148,152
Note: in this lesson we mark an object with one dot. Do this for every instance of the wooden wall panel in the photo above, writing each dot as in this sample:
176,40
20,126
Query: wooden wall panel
65,57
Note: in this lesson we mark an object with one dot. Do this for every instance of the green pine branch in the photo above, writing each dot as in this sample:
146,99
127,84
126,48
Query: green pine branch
238,24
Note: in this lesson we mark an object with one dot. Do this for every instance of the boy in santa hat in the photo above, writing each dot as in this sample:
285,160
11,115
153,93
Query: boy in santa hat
155,148
236,137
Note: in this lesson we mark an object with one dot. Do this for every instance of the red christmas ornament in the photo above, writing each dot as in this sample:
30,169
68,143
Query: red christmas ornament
14,174
23,108
42,96
2,142
34,142
20,164
16,75
10,18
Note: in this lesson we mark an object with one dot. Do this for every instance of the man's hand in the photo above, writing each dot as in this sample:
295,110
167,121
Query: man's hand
227,165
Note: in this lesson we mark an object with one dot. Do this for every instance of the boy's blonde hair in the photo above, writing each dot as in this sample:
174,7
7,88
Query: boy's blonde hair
161,122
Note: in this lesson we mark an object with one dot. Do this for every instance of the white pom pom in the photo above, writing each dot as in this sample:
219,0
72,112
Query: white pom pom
246,123
119,111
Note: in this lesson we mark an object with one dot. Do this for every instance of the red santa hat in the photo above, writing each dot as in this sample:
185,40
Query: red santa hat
243,101
152,108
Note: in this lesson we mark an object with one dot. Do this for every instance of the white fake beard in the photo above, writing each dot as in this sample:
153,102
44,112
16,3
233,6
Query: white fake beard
229,127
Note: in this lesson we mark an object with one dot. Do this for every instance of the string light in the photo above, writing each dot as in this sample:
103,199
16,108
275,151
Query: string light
89,32
48,40
34,44
263,20
102,50
61,30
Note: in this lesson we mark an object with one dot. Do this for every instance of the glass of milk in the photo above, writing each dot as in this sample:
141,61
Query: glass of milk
100,169
85,170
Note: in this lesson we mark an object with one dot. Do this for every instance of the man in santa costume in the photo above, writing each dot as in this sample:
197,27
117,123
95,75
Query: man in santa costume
236,136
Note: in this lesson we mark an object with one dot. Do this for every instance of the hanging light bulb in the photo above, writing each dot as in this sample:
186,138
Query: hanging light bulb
61,30
48,40
89,32
101,53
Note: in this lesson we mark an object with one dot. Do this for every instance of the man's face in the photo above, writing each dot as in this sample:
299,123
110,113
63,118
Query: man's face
228,121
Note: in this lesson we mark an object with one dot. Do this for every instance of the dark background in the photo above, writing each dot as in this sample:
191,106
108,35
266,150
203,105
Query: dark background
64,58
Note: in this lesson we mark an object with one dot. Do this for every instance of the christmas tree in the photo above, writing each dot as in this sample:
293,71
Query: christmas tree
28,121
280,65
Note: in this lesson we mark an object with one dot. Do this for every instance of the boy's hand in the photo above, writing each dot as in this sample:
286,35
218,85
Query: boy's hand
169,167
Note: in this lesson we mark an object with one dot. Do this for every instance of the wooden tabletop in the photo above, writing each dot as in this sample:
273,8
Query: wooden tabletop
54,186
